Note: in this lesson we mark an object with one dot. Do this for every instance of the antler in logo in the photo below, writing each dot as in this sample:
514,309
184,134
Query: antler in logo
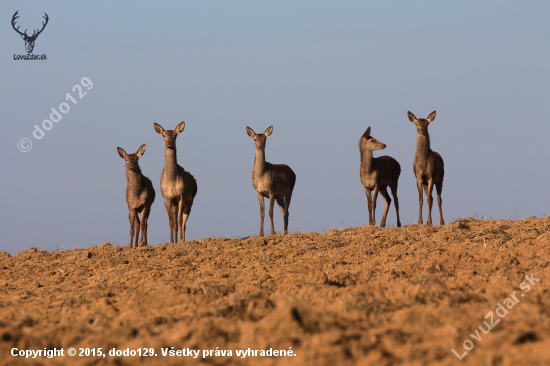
29,40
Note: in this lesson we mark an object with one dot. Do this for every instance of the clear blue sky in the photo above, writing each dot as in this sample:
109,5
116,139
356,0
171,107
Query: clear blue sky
320,72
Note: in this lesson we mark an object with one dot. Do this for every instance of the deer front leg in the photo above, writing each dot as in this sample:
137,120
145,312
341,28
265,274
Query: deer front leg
430,201
262,213
374,198
179,215
144,218
131,218
138,228
420,201
369,204
271,203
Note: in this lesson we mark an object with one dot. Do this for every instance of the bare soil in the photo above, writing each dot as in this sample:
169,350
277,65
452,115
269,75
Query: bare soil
354,296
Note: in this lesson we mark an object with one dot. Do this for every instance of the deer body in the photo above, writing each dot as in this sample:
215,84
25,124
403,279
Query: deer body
428,168
376,175
178,186
272,181
140,195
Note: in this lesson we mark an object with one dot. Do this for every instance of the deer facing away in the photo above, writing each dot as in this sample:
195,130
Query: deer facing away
139,195
376,175
273,181
428,167
178,186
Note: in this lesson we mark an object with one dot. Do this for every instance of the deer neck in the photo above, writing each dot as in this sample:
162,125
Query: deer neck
170,162
135,180
367,161
422,147
259,163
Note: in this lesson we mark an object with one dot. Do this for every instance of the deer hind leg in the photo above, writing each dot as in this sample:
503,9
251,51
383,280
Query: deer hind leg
179,216
439,188
369,205
186,213
288,197
393,188
271,204
420,201
384,193
429,188
132,226
262,213
283,205
144,218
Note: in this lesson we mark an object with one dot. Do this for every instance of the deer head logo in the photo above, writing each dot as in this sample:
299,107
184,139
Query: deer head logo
29,40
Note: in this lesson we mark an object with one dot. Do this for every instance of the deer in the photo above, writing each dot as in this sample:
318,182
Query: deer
376,175
140,195
29,40
428,167
177,185
273,181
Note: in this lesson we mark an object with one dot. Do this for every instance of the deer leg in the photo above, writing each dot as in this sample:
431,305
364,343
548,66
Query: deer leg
131,218
420,201
283,204
393,188
186,213
169,211
179,216
136,220
439,188
369,203
384,193
262,213
374,198
271,203
430,200
144,218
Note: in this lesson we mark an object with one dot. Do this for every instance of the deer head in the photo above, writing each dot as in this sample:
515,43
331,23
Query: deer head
259,139
132,159
29,40
170,135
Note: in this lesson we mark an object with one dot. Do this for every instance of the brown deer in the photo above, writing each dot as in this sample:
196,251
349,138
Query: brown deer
139,195
178,186
273,181
376,175
428,167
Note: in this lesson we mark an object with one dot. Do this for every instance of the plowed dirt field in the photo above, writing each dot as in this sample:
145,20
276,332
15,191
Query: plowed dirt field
353,296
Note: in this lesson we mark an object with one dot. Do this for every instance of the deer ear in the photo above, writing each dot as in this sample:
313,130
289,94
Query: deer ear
141,151
412,117
250,131
268,131
431,117
367,133
121,152
179,128
158,128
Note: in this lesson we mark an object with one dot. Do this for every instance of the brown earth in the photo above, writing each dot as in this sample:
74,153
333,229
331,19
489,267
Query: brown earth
354,296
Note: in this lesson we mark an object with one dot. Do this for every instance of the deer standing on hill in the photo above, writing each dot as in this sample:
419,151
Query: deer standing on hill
428,167
139,195
178,186
376,175
273,181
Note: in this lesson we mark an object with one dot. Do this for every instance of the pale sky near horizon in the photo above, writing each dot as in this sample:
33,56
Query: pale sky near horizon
320,72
